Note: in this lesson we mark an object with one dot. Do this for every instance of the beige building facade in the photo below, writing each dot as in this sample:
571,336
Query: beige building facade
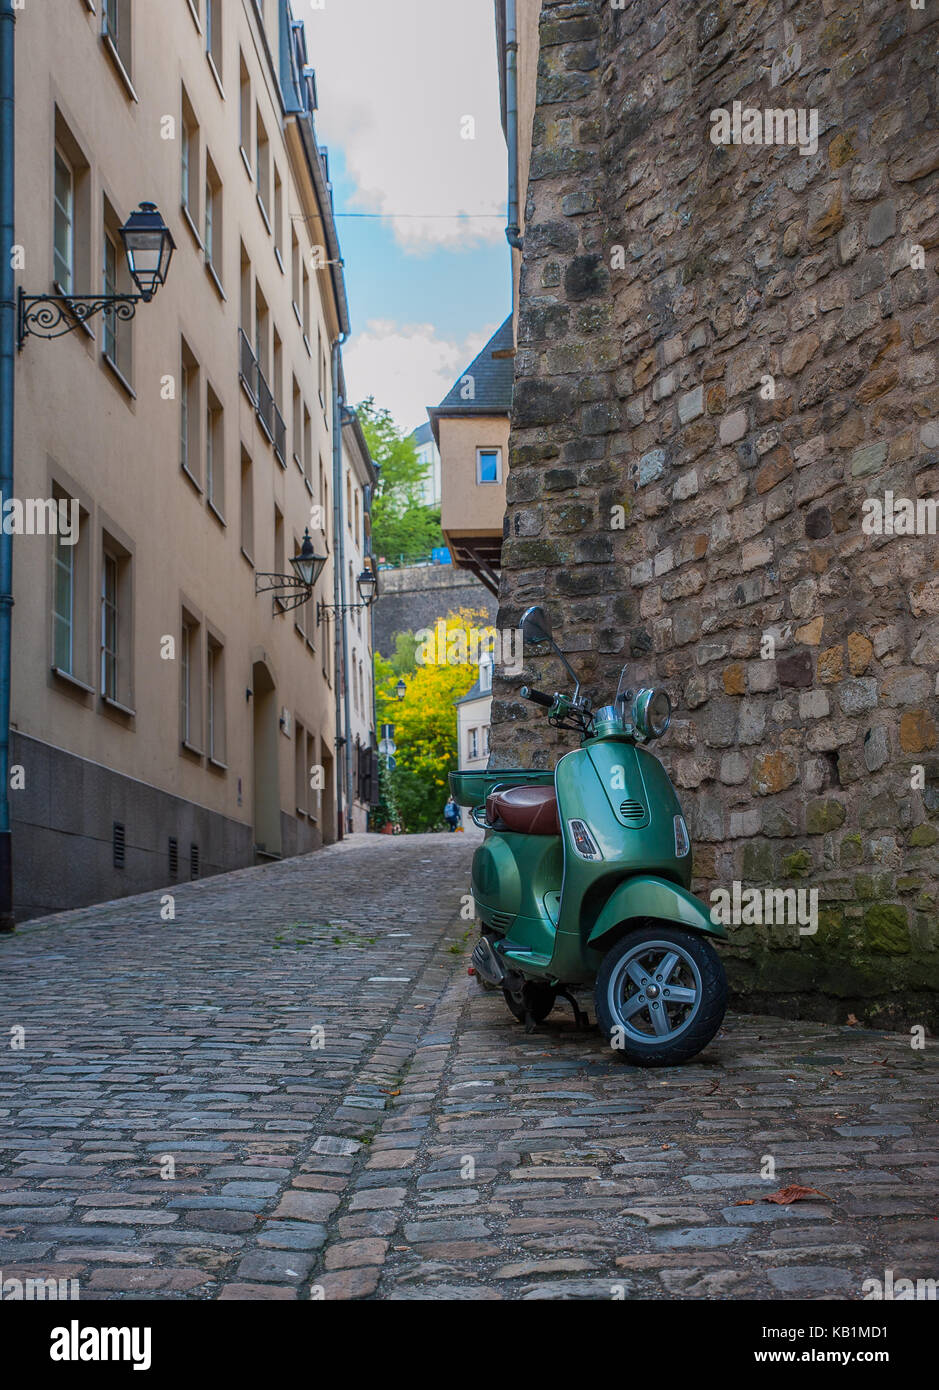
361,757
168,722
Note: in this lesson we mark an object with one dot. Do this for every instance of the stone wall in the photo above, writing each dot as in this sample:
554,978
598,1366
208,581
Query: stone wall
415,596
724,350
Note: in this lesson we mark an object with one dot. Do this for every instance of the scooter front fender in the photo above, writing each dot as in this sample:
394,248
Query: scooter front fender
645,896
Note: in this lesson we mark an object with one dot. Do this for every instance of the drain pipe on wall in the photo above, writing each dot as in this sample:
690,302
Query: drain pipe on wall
338,661
7,386
513,234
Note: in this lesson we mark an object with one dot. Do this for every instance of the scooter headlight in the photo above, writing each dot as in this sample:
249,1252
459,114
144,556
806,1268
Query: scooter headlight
652,713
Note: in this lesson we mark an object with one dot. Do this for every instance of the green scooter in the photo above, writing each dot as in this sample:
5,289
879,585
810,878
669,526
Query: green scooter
583,876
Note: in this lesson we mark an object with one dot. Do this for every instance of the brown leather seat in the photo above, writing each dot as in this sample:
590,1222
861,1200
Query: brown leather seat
532,810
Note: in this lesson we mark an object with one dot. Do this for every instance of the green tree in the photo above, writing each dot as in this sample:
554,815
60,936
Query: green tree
404,528
425,730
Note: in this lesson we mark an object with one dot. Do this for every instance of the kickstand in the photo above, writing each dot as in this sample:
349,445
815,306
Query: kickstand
530,1024
580,1018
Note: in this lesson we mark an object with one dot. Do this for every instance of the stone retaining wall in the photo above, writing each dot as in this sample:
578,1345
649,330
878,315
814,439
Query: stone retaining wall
725,352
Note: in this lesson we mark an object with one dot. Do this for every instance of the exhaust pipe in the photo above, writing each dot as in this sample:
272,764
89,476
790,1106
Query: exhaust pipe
487,963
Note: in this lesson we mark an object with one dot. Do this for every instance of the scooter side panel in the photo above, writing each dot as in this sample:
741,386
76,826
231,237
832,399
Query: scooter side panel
512,873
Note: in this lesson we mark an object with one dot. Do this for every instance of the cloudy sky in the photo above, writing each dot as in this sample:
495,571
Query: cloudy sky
401,83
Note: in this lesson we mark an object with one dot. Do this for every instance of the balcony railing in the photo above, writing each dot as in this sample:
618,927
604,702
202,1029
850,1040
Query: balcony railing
265,406
248,367
280,437
261,397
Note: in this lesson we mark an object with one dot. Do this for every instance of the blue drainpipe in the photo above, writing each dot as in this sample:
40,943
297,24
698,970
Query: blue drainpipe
7,366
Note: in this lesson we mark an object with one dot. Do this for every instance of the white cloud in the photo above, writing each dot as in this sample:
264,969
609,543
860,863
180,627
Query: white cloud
395,80
407,367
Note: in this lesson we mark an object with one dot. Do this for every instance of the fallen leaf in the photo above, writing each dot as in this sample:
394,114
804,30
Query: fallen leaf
748,1203
795,1193
852,1021
836,1073
666,1146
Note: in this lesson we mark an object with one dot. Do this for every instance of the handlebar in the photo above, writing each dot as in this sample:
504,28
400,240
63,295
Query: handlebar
537,697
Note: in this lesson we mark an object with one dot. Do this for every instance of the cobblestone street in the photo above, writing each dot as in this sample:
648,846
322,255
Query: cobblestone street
167,1129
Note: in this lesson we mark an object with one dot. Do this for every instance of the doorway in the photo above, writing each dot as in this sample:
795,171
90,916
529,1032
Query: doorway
267,842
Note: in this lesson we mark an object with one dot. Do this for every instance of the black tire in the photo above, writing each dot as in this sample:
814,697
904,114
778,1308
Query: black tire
629,1019
538,998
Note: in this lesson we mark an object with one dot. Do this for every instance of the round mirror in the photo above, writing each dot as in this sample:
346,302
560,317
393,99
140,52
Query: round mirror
535,625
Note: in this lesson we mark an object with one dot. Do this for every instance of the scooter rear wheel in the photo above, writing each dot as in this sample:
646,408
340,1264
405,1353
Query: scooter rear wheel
660,995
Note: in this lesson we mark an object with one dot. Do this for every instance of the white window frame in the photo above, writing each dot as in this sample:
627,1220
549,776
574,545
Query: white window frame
67,213
488,482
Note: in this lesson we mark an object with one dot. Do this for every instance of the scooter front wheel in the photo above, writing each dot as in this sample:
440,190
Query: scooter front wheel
660,995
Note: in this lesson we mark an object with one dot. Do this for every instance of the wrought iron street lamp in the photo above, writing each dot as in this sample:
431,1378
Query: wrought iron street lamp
290,590
148,246
367,585
401,690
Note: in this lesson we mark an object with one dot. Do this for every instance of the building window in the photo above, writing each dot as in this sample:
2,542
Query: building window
189,163
64,229
278,217
247,506
189,682
305,306
308,448
474,743
245,114
109,626
297,426
295,274
279,558
263,169
189,414
299,768
213,35
63,608
486,741
215,700
71,597
117,344
214,453
116,29
489,465
110,287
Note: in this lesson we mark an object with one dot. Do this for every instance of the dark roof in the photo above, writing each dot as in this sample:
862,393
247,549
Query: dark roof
493,378
423,434
474,693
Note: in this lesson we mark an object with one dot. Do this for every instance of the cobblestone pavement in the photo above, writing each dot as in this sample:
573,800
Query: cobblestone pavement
167,1129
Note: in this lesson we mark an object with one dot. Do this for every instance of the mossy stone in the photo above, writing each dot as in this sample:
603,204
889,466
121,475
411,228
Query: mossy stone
887,929
851,851
924,835
824,815
796,865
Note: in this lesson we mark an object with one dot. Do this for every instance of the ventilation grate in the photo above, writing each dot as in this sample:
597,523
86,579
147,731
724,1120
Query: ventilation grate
174,856
632,810
193,861
502,920
117,844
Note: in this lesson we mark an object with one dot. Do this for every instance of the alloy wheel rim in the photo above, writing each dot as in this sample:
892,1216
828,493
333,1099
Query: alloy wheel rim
655,992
